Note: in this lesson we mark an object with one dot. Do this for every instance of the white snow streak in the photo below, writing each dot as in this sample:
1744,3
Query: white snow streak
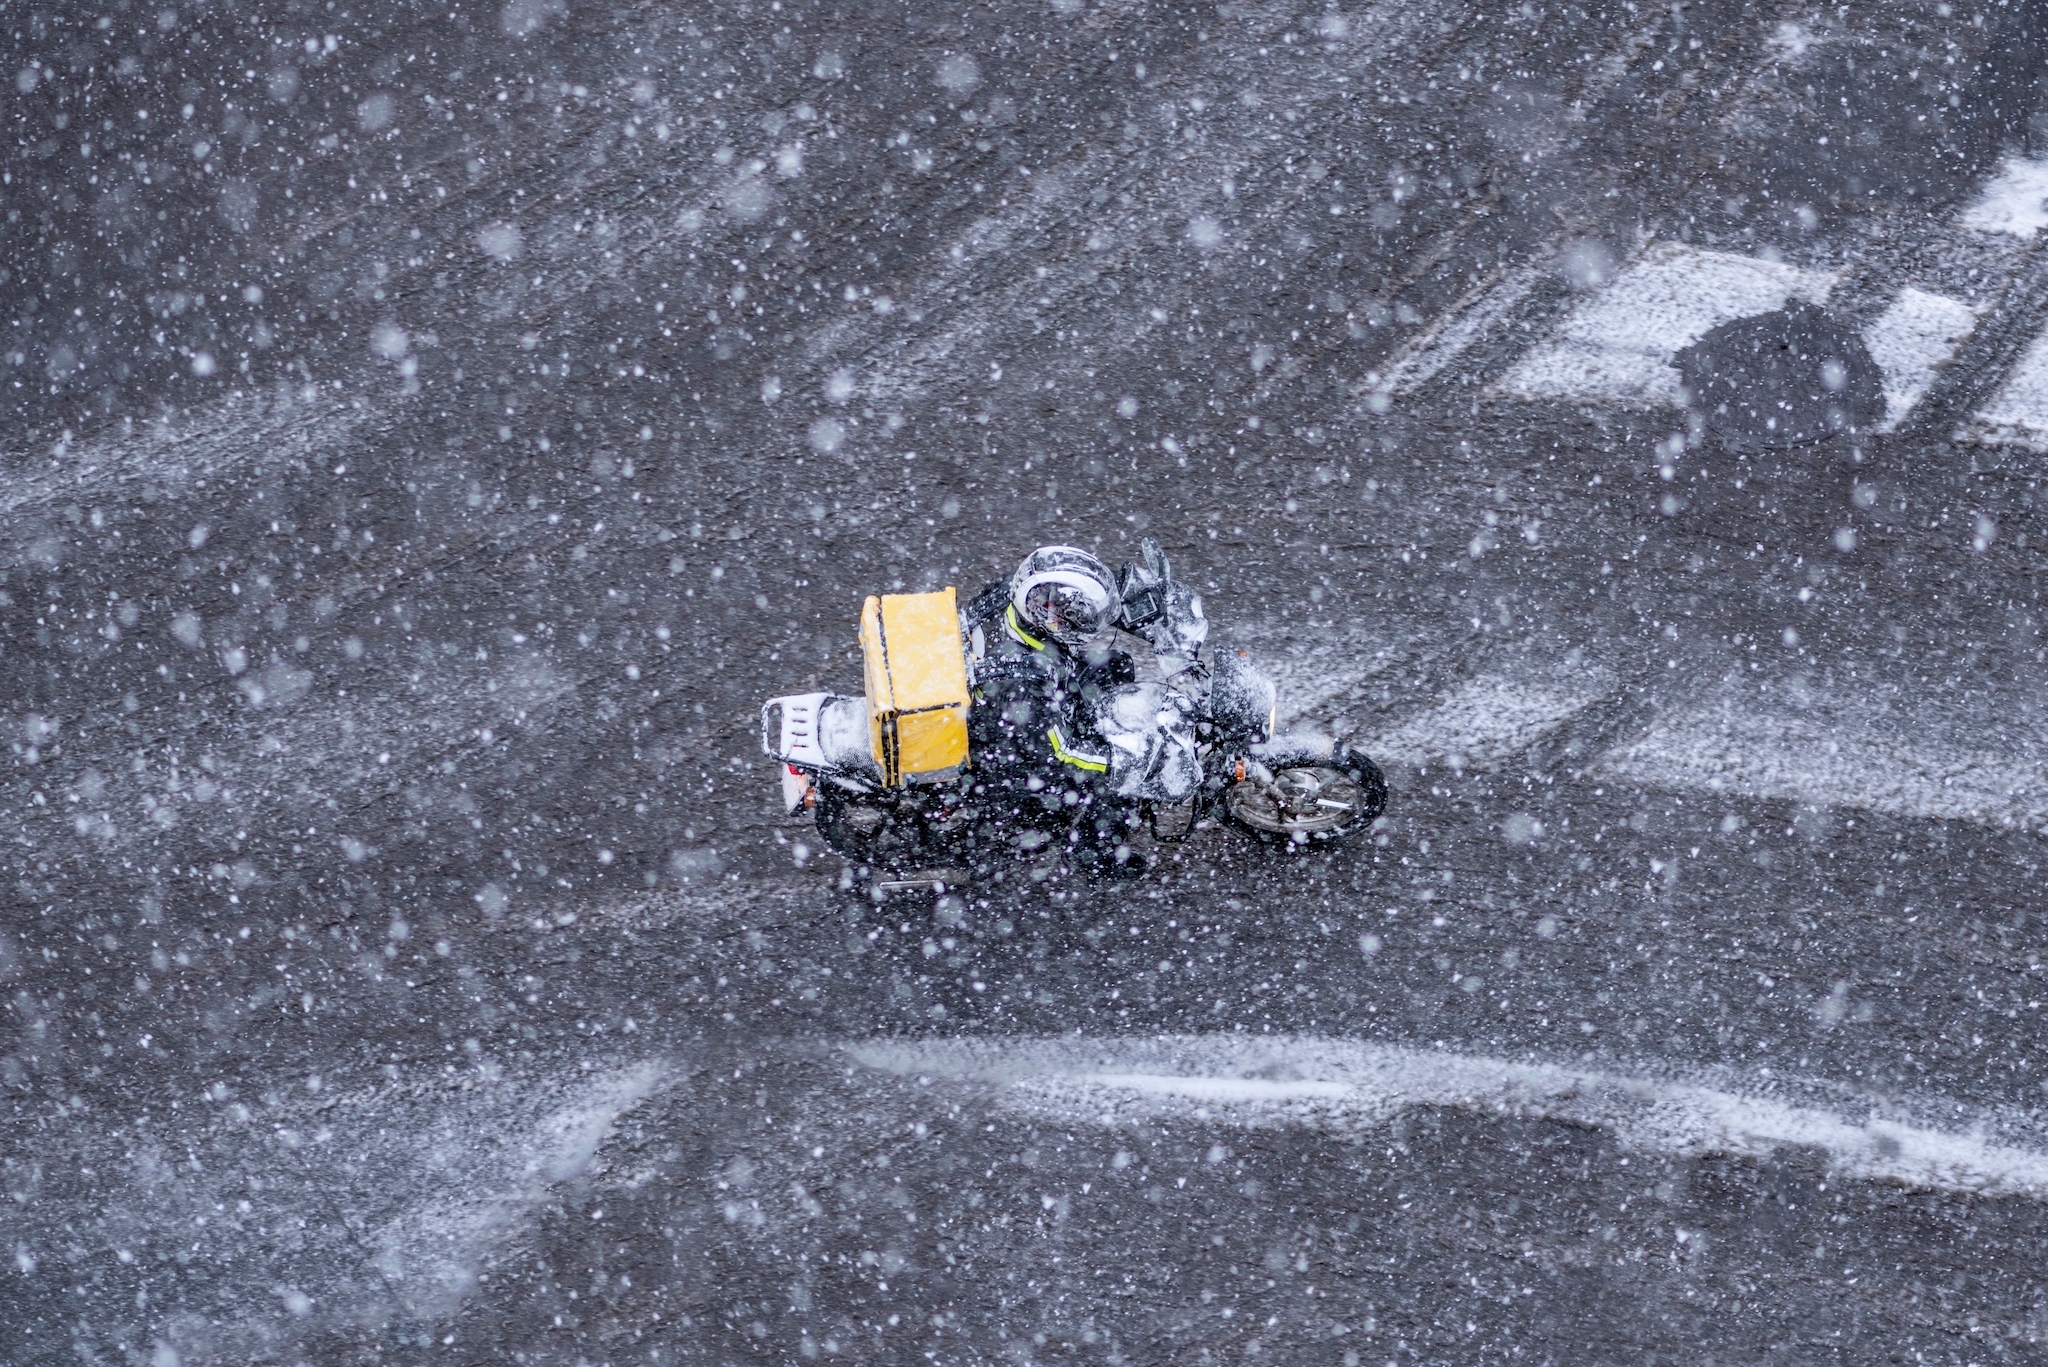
1850,751
487,1174
1490,720
1913,338
2014,201
1348,1086
1617,345
1479,723
377,1204
2017,415
1318,678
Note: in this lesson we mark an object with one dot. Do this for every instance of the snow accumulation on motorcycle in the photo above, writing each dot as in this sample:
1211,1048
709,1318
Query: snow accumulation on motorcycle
1187,741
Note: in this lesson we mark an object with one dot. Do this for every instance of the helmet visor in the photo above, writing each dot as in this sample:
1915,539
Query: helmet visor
1065,613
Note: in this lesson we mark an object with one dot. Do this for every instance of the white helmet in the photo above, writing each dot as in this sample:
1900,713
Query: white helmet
1064,594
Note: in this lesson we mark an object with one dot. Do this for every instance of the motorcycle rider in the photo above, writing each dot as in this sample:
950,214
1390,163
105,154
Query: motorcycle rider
1042,659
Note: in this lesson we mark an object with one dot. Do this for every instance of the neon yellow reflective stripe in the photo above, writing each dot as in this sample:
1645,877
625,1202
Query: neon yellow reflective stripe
1017,629
1066,756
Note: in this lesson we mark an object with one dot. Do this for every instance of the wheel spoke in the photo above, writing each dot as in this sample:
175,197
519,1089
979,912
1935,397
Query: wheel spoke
1310,801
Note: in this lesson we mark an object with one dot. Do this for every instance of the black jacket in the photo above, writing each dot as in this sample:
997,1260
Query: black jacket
1031,714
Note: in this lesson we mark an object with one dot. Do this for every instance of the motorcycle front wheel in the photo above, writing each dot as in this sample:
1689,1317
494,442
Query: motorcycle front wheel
1308,802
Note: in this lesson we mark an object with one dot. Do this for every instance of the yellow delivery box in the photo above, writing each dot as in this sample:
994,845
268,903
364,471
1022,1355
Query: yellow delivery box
917,685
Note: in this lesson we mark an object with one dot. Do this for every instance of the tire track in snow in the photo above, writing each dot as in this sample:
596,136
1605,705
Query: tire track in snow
1170,197
305,752
1983,392
1487,309
2007,374
1348,1086
1163,199
287,426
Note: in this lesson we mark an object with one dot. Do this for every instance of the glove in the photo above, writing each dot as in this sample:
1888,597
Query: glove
1166,613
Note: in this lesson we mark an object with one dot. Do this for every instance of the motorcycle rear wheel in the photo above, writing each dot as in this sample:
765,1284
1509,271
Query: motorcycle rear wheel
1304,803
889,835
869,830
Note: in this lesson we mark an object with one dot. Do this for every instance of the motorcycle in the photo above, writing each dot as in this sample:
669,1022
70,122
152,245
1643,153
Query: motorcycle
1194,746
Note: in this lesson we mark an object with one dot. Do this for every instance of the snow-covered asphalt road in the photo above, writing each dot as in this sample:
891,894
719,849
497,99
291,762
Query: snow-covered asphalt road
432,433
